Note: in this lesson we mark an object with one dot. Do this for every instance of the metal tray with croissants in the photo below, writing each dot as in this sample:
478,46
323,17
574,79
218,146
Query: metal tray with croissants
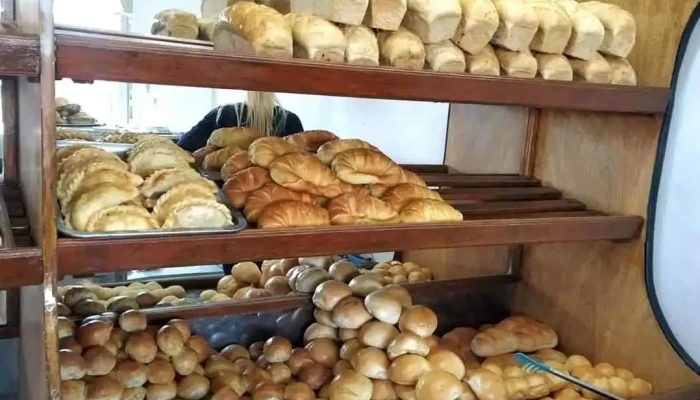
145,189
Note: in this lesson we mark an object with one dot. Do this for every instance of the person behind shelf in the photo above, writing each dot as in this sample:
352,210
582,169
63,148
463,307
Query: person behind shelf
261,111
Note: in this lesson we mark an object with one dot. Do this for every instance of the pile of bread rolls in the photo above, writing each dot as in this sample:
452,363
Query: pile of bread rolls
88,298
315,179
555,39
400,273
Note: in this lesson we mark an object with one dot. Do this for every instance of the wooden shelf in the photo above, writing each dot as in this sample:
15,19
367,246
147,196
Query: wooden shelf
19,55
88,56
21,265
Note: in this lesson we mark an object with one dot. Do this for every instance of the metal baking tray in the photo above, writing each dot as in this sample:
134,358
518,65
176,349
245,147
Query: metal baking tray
67,125
239,221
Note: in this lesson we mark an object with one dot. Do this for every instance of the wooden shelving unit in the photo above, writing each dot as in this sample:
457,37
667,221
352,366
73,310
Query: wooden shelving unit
21,265
19,55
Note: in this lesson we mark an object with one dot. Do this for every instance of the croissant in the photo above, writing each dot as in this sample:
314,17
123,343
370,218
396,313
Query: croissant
402,193
203,152
350,209
235,163
264,150
327,152
311,140
291,214
305,173
270,193
243,183
216,159
365,167
240,136
427,210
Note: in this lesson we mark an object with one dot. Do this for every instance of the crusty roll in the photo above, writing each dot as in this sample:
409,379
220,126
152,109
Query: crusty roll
401,49
199,154
141,347
587,31
277,349
432,20
133,321
239,136
419,320
363,167
517,25
407,369
350,385
311,140
250,28
216,159
327,152
104,388
384,306
293,214
262,151
514,334
316,38
554,27
385,15
235,163
243,183
72,365
620,27
401,194
350,209
350,313
305,173
621,70
445,56
438,385
484,62
554,67
329,293
517,64
362,47
477,25
427,210
377,334
596,70
348,12
446,360
371,362
486,384
175,23
407,343
268,194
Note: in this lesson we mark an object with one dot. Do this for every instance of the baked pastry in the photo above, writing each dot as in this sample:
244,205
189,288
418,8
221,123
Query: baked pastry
121,218
514,334
84,156
348,12
79,181
554,67
517,64
433,21
401,49
316,38
292,214
350,209
165,179
311,140
264,150
477,25
587,31
270,193
198,213
554,27
175,23
484,62
362,47
620,27
179,193
206,29
235,163
243,183
239,136
385,15
596,70
250,28
621,70
102,196
65,152
144,145
445,56
305,173
203,152
327,152
152,159
216,159
517,25
364,167
427,210
401,194
74,134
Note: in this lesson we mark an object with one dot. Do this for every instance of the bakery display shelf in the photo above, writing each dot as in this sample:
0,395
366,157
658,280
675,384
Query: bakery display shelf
84,56
20,265
19,55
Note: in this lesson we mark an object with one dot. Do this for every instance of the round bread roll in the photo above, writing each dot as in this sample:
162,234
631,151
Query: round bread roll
98,361
320,262
223,283
309,279
118,337
277,286
445,360
323,351
208,294
133,321
130,374
256,350
416,276
200,345
233,352
639,388
176,290
365,284
397,270
193,387
166,391
346,334
384,306
225,394
94,333
407,343
464,336
186,362
65,328
77,293
350,348
160,371
262,362
383,390
324,317
401,294
341,366
62,310
111,347
351,385
87,307
277,349
246,272
419,320
298,391
407,369
147,299
255,377
315,375
269,391
371,362
293,273
299,359
439,385
281,267
434,341
377,334
137,393
73,390
399,280
119,304
169,340
141,347
217,364
320,331
72,365
350,313
281,373
343,271
329,293
104,388
407,392
70,344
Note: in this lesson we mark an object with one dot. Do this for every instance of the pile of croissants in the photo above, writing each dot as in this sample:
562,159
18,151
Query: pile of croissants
314,178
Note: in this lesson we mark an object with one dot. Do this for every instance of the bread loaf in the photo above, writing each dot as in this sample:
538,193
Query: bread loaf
554,27
316,39
305,173
206,28
517,25
348,12
250,28
175,23
428,210
620,28
432,20
445,56
484,62
350,209
554,67
517,64
401,49
587,31
514,334
477,25
622,72
291,214
362,47
385,14
596,70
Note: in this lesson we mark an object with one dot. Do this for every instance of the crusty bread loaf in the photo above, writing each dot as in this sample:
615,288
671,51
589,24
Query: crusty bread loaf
327,152
306,173
316,39
264,150
401,49
364,167
385,14
311,140
243,183
484,62
250,28
596,70
268,194
292,214
587,31
206,28
348,12
620,28
362,47
554,27
239,136
432,20
517,25
554,67
517,64
445,56
477,25
351,209
622,72
175,23
514,334
429,210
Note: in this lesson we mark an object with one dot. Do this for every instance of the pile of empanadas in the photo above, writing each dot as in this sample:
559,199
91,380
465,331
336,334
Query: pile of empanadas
130,137
314,178
73,134
155,188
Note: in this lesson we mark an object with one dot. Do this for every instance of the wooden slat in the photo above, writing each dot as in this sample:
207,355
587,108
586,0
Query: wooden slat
500,194
470,208
103,57
19,55
427,168
478,180
89,256
20,267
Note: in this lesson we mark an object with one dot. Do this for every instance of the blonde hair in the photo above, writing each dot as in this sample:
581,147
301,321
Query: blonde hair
260,113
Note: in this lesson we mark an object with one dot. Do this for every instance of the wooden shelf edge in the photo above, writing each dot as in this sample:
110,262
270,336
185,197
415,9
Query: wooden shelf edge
87,57
19,55
20,267
690,392
76,256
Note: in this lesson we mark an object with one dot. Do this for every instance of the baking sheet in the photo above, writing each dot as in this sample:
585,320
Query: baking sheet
239,221
86,125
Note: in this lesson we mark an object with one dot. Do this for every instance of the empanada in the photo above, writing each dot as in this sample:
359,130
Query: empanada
151,160
100,197
72,176
163,180
121,218
83,181
82,156
65,152
177,194
146,145
198,213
